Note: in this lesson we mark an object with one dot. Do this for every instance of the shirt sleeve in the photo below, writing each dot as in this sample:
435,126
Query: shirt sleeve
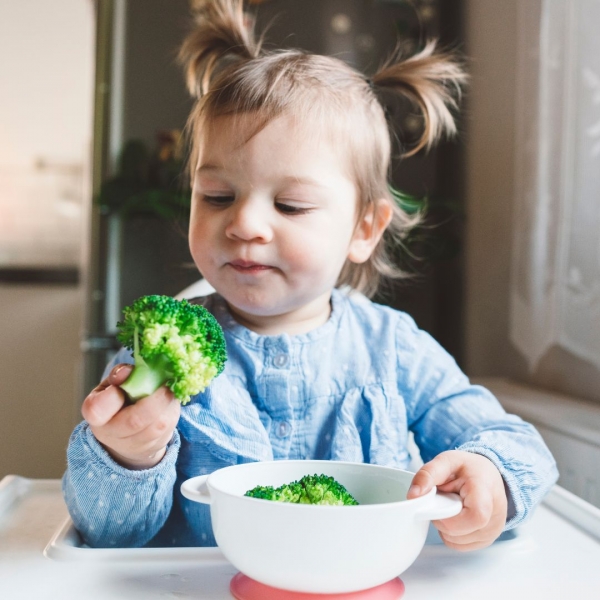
446,412
112,506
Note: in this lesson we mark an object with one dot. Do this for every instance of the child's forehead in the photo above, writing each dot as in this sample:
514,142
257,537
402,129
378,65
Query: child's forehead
228,134
243,127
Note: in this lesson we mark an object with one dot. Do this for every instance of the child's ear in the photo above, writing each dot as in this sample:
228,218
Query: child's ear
369,230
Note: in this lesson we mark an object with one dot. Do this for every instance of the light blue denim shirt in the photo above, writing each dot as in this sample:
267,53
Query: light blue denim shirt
349,390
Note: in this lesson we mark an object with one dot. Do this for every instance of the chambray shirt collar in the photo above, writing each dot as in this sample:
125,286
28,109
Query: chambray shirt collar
250,338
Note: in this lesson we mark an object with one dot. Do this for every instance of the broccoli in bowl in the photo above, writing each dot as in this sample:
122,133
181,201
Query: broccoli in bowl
310,489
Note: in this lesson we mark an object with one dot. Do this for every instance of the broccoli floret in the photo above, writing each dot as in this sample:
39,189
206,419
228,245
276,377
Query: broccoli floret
263,492
311,489
293,492
174,343
321,489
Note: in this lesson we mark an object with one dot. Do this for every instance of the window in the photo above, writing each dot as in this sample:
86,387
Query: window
555,289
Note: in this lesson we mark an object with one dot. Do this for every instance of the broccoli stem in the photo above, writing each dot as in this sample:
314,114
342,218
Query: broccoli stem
143,381
146,377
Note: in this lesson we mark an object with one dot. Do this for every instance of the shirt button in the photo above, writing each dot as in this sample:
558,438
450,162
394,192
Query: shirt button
283,429
281,360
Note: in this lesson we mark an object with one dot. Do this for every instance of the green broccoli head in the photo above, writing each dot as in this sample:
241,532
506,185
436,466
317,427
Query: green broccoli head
263,492
321,489
174,343
311,489
292,492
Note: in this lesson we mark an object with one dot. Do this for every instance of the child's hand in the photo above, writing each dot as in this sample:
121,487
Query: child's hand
135,436
481,488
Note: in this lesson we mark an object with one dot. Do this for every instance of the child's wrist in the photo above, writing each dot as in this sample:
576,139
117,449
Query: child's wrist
137,463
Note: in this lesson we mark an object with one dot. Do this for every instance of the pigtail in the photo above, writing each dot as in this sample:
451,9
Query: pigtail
223,32
431,80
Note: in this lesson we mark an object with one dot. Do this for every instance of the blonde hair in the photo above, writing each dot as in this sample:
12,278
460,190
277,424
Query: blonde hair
229,73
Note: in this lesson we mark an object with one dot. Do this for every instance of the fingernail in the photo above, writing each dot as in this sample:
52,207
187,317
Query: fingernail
118,369
414,490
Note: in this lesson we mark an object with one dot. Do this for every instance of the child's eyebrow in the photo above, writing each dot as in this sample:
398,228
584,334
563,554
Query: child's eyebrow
207,167
304,181
288,180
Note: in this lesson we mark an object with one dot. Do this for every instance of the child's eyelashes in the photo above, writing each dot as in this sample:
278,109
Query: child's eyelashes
290,209
283,207
218,200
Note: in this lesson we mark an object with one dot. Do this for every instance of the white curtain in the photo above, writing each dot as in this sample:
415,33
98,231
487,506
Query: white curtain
555,288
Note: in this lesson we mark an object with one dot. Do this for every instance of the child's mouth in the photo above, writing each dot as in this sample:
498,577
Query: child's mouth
242,266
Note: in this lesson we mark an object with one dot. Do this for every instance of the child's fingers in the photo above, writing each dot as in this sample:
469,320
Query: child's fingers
442,469
472,531
473,541
478,508
445,472
155,436
152,411
106,399
135,435
144,447
481,489
119,374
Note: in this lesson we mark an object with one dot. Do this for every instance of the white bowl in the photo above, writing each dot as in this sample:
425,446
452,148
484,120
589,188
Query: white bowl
319,549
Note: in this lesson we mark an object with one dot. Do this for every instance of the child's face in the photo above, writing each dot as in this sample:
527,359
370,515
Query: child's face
273,220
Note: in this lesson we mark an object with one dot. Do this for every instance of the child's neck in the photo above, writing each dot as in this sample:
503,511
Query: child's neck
294,322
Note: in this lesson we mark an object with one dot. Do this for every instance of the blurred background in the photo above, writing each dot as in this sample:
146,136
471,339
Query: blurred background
93,200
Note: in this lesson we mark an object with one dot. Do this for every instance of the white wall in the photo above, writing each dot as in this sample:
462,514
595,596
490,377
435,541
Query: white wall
45,49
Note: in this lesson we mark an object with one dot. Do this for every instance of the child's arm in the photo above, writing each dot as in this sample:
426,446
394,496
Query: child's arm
121,466
447,413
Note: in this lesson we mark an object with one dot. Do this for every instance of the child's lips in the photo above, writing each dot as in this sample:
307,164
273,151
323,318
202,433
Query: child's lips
248,267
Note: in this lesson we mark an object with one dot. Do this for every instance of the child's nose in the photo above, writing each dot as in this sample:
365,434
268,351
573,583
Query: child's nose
249,222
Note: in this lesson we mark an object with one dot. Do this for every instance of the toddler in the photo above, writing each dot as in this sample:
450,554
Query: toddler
291,209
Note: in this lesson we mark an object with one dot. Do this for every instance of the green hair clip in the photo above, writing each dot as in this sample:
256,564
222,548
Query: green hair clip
411,205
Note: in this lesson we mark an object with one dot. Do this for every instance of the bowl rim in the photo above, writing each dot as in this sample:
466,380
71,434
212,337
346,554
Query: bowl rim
414,502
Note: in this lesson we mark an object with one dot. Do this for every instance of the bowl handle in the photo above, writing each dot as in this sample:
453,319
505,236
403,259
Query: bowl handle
196,489
443,505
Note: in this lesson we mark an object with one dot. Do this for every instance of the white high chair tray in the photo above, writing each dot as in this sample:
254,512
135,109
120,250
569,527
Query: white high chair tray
554,556
66,544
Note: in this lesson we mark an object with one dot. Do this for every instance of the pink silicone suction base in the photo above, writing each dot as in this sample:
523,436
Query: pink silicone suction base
244,588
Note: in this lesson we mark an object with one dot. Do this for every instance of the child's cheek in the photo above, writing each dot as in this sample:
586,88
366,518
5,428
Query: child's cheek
199,248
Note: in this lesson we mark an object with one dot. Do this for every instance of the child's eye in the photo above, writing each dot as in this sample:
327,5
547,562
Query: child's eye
290,209
218,200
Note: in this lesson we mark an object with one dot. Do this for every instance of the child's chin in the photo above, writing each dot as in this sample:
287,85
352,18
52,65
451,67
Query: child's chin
254,305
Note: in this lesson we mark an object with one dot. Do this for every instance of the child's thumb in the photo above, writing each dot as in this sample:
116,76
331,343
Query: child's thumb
434,473
107,399
119,374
